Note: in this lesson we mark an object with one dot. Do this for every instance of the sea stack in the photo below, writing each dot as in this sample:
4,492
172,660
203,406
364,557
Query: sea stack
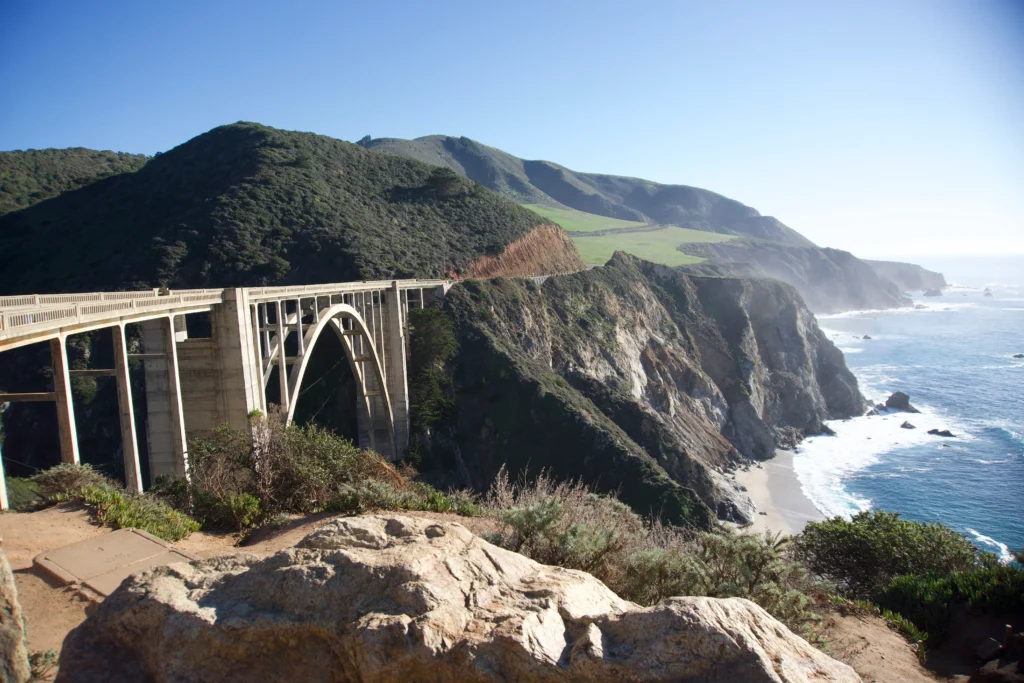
900,401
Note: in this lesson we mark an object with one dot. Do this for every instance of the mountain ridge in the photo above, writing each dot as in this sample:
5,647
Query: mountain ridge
622,197
246,204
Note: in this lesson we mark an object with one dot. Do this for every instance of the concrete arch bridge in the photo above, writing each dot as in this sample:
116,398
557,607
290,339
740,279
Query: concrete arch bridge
257,335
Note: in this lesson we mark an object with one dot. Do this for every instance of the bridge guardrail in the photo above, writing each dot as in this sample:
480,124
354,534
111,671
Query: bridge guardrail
91,310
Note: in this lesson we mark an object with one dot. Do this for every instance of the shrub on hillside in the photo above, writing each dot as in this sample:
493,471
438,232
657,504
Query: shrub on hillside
111,504
240,479
862,556
930,601
565,524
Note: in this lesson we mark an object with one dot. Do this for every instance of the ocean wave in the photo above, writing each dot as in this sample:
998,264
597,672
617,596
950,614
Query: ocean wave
824,464
1001,549
850,349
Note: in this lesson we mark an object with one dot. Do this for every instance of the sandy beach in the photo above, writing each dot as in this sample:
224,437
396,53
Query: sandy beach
775,490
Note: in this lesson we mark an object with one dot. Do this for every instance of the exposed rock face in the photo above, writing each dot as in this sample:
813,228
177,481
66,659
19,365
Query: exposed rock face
638,379
829,280
389,598
900,401
14,666
908,276
545,250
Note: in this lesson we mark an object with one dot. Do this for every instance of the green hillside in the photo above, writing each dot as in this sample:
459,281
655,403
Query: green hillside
246,204
28,177
657,246
579,221
628,199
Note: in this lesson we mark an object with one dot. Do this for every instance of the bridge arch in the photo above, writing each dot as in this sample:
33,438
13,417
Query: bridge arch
363,359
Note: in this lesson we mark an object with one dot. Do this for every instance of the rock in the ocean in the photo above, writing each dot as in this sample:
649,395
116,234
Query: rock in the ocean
907,425
920,307
900,401
933,292
1018,355
988,292
14,666
866,337
871,413
392,598
942,432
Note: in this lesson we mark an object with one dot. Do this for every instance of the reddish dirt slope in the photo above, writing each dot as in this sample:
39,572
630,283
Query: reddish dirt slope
545,250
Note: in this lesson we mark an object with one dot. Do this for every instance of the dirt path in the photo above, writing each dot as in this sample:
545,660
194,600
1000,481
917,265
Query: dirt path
50,610
876,652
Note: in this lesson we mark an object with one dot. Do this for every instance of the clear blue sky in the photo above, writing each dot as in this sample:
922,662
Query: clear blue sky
886,128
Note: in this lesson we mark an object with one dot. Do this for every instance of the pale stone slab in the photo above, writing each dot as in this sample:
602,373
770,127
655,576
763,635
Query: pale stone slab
102,563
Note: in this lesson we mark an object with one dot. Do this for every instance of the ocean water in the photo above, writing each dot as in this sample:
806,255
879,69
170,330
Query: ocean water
954,359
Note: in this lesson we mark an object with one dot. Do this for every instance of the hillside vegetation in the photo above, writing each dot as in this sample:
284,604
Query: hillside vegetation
30,176
246,204
629,199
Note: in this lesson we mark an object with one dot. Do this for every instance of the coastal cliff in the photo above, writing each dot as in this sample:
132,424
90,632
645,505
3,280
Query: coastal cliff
829,280
636,378
908,276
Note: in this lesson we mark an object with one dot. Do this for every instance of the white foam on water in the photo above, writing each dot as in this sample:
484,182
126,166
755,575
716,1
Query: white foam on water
823,464
1001,549
849,349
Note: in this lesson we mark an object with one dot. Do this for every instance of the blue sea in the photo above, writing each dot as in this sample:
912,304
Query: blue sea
955,359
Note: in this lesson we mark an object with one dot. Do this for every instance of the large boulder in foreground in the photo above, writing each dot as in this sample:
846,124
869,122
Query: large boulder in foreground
14,665
391,598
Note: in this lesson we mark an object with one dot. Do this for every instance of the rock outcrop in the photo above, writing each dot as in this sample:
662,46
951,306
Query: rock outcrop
390,598
900,401
638,379
14,666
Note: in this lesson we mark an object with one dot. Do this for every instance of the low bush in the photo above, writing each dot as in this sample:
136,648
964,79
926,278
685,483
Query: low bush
565,524
240,480
111,504
861,556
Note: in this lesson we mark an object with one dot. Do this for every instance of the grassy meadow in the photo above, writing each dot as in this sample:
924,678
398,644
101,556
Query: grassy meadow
580,221
658,246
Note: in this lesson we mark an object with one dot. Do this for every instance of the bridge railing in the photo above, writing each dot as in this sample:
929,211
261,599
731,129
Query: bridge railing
36,300
19,321
260,294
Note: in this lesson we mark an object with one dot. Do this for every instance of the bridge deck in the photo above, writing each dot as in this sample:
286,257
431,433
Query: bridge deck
32,318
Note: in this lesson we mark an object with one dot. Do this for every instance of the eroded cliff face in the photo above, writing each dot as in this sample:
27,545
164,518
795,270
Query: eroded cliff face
639,379
545,250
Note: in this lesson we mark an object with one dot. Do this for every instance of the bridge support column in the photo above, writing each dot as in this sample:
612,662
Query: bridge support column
129,444
65,409
237,360
398,385
165,421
